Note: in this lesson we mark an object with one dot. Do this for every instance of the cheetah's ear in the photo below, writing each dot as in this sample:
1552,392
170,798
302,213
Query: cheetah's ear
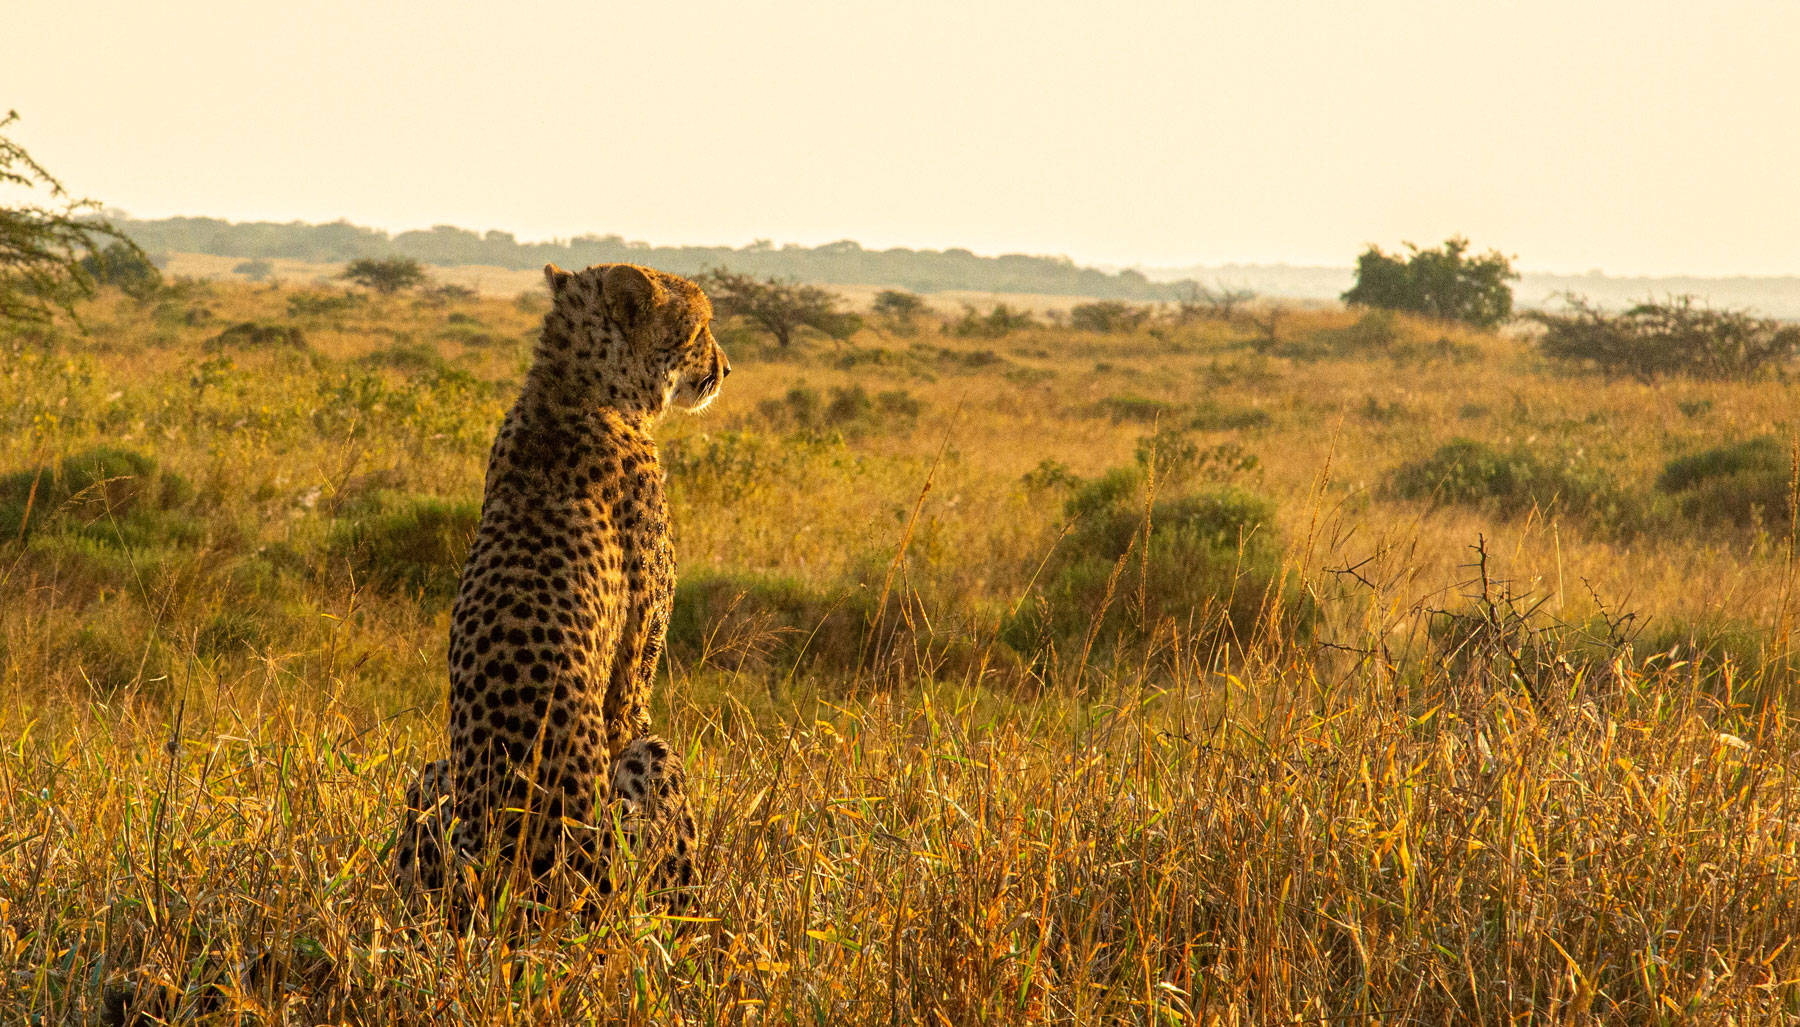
556,278
629,293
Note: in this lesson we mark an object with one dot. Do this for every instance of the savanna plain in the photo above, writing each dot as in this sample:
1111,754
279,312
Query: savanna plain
1257,666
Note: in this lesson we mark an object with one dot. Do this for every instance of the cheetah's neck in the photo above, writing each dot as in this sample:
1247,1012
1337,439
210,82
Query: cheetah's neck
575,372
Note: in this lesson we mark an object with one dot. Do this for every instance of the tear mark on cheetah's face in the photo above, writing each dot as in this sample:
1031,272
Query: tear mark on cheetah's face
650,332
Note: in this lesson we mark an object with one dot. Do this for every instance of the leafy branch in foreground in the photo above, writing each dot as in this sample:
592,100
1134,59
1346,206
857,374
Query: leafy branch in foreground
41,246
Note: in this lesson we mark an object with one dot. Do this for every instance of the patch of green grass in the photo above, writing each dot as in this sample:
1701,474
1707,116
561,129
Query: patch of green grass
1514,481
1738,483
410,544
109,493
1211,415
1206,566
1136,409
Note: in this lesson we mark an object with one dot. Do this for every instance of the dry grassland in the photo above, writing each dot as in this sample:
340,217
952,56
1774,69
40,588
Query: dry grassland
983,725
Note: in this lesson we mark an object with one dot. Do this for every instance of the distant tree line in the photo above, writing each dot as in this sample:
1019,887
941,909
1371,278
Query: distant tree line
838,263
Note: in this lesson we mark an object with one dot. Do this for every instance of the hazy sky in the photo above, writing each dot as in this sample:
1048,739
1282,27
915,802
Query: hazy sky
1641,136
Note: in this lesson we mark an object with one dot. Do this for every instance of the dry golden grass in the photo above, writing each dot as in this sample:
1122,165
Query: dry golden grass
216,707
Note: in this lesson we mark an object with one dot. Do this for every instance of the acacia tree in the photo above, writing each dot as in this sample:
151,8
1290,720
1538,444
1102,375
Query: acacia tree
386,275
778,307
41,270
1441,283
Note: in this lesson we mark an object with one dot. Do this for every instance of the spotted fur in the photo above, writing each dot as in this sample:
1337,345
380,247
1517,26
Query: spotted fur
564,603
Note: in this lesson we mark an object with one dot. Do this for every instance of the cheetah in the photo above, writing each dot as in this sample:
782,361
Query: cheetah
564,603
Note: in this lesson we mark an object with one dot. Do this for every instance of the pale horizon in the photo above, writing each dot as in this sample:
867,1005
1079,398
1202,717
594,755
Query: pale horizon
1633,139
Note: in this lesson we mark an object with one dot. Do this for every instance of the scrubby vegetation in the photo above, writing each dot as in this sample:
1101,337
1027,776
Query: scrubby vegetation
1514,481
1677,337
1043,674
1743,483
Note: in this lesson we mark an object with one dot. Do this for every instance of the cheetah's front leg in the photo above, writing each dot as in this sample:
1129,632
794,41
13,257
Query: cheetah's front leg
648,778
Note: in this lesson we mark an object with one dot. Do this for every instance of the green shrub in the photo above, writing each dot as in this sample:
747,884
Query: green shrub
1741,483
799,409
1514,481
411,358
1181,461
850,410
323,304
1440,283
258,335
1376,329
1050,474
125,266
255,270
468,335
414,545
1000,321
113,495
739,618
1375,410
900,311
1210,416
1141,409
1211,568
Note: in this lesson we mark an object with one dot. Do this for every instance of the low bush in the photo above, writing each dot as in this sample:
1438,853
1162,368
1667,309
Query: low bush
258,335
998,322
414,545
900,311
1210,416
125,267
1742,483
1676,337
1181,461
850,410
1514,481
323,304
114,495
1108,317
409,358
1209,570
735,619
468,333
1375,330
1139,409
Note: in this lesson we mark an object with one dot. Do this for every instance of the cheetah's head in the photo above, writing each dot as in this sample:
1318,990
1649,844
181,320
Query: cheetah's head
654,328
